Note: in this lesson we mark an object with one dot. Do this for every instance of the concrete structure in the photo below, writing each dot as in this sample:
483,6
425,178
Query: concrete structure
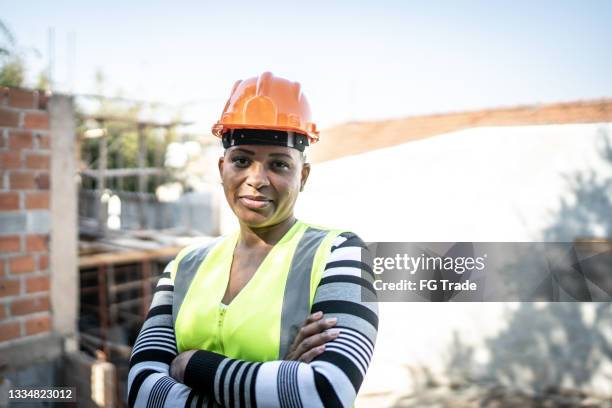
64,236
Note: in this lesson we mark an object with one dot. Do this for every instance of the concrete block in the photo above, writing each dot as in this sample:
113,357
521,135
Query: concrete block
38,222
19,353
41,375
12,222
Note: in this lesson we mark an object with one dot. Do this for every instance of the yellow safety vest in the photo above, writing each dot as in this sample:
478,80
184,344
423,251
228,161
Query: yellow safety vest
261,321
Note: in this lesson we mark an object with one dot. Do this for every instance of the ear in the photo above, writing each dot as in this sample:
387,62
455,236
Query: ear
305,174
220,165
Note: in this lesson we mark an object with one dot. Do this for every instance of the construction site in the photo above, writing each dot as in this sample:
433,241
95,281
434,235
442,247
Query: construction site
88,225
442,124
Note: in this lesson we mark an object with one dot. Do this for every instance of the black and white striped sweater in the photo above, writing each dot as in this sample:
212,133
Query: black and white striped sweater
331,380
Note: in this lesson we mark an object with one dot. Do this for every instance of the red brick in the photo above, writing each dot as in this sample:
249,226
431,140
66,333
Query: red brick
37,161
37,284
21,307
2,312
37,325
44,142
9,118
36,120
42,181
43,262
1,267
38,200
4,91
9,287
22,264
37,243
9,201
10,160
22,180
43,100
21,98
9,331
11,243
20,139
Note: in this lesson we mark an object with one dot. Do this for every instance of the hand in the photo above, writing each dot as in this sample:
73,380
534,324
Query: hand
311,338
177,368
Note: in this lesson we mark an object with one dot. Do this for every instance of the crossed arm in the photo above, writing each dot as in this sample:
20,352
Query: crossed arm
331,379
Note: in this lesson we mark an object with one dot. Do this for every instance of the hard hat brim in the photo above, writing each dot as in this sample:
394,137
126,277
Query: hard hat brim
219,129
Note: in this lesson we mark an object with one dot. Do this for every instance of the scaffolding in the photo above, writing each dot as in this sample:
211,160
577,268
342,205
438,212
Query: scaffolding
102,173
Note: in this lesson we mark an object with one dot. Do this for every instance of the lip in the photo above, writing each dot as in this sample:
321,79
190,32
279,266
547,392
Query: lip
254,202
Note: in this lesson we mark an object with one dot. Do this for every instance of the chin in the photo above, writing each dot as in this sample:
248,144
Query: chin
253,219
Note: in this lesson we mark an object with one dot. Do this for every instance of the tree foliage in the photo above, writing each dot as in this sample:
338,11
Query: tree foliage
12,68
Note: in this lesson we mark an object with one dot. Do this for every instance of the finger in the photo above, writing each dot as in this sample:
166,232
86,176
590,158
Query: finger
327,323
316,340
315,328
310,355
313,317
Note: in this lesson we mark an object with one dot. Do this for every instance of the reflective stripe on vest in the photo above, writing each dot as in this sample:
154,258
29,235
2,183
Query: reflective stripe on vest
304,273
188,265
296,301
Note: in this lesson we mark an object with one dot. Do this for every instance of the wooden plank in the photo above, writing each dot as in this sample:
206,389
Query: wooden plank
127,256
122,348
137,284
125,172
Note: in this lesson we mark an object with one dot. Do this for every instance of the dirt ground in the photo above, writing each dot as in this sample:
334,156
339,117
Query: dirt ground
479,396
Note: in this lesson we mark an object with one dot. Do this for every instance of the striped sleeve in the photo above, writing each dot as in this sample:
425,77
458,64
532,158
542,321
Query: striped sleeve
333,378
149,382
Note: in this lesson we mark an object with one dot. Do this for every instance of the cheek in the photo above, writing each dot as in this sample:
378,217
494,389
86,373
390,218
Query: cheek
231,184
233,176
290,188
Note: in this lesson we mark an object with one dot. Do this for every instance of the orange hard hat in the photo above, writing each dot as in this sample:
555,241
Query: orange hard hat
267,102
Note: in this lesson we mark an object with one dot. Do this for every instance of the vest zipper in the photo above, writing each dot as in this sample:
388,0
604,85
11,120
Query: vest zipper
221,318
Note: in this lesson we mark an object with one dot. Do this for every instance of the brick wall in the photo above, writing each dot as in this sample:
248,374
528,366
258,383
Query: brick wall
24,214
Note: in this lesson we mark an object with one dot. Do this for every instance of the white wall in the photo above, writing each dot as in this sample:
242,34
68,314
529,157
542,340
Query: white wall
483,184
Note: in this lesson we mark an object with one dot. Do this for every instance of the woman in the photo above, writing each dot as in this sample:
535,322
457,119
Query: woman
239,322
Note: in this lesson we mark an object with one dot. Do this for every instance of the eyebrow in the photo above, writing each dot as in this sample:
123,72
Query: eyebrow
282,154
244,150
271,154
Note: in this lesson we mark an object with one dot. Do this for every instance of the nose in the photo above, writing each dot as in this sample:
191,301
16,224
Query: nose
257,176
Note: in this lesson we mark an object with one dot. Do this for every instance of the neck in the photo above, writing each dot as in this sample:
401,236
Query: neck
270,235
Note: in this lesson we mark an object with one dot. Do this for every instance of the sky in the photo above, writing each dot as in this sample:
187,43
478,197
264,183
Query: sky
365,60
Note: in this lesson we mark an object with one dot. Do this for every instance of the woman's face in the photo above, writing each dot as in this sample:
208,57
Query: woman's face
262,183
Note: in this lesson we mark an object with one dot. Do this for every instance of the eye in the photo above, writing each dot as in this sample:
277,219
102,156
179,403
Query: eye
241,161
280,164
